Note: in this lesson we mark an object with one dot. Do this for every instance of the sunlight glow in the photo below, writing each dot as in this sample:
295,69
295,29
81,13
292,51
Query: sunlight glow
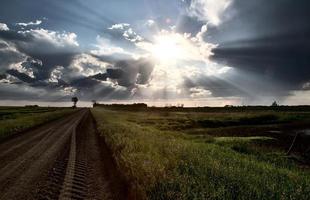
178,57
170,47
167,48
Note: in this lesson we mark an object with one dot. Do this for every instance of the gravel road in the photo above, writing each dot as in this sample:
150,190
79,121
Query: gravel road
62,159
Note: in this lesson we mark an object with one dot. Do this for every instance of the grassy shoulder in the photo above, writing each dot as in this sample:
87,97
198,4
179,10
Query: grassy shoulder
169,164
15,120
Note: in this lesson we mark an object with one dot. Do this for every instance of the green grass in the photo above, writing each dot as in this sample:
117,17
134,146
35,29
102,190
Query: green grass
15,112
16,119
161,161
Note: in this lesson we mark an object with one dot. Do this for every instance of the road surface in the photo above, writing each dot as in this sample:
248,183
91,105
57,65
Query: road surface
63,159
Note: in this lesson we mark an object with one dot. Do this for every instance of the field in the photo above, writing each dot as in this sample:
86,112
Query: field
215,154
17,119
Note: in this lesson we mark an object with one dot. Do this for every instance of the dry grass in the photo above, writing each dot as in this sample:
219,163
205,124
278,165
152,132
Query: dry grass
162,163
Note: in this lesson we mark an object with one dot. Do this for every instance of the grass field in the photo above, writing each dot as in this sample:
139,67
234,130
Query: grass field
206,155
16,119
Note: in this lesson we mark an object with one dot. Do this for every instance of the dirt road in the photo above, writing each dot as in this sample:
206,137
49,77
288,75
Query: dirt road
63,159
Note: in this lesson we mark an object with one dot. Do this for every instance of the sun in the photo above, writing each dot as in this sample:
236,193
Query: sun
167,48
173,48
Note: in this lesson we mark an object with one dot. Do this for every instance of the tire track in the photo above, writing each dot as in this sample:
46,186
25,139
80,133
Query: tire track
13,149
32,154
20,176
60,160
74,186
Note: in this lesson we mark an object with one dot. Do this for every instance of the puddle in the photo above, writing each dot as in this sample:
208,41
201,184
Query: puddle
278,132
305,132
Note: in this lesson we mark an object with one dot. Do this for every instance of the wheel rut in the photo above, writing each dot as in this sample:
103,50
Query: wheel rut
60,160
74,186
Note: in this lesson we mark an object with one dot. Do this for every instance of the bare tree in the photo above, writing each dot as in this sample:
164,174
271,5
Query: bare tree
74,100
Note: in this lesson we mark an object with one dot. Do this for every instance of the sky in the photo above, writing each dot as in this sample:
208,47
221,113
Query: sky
194,52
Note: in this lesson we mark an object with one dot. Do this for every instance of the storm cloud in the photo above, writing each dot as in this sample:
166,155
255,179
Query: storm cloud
270,39
42,50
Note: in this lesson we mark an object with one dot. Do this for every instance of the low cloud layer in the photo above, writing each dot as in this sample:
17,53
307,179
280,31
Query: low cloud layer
36,23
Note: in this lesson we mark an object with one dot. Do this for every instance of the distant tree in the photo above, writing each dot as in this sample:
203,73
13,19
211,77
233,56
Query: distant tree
274,104
94,103
31,106
180,105
74,100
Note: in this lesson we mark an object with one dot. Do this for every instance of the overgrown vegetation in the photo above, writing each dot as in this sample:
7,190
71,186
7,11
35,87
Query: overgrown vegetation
17,119
171,155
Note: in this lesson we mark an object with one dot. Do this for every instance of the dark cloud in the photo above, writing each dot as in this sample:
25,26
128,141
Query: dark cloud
2,76
269,39
49,62
113,58
43,53
118,82
219,87
253,19
111,73
124,74
252,88
3,45
8,57
91,88
20,91
41,57
282,58
14,36
84,83
21,76
128,73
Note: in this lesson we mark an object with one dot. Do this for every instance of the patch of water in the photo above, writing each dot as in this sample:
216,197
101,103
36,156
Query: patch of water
275,132
306,132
